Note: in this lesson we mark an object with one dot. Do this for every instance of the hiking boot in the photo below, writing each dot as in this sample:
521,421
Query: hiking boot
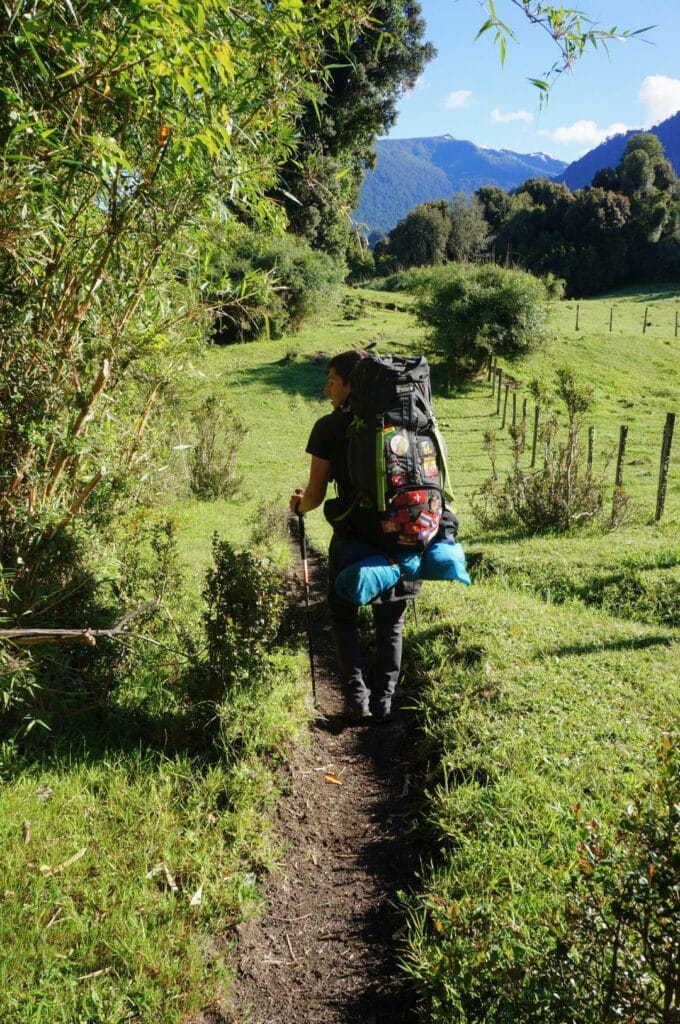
381,711
357,713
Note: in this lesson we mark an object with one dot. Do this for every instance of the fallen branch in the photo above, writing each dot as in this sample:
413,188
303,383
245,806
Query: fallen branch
87,636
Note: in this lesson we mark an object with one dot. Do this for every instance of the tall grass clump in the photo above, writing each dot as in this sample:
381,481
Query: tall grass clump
562,492
219,433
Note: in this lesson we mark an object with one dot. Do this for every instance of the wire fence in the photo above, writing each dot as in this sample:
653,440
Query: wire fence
650,319
513,406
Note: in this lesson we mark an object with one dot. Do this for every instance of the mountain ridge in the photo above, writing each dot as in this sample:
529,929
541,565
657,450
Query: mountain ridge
412,171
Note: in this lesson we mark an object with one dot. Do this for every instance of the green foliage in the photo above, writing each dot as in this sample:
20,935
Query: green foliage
246,600
572,30
360,259
219,434
469,232
368,72
561,493
625,227
619,956
129,133
262,284
474,312
420,239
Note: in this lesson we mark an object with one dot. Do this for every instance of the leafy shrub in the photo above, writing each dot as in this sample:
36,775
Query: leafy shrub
264,284
246,603
48,683
212,466
474,311
360,259
559,494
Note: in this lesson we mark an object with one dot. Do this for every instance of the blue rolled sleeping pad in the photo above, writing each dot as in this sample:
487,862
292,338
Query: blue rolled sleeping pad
370,571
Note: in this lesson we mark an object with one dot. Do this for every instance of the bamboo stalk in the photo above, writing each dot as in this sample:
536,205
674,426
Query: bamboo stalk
85,416
79,502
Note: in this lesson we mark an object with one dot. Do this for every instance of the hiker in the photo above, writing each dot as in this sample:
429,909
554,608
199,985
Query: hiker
369,692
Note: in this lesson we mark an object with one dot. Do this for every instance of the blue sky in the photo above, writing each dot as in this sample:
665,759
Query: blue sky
465,92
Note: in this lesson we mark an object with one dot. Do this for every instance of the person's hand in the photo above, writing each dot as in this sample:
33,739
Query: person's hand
295,499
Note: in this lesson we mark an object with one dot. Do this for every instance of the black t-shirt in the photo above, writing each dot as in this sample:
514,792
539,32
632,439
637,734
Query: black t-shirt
328,441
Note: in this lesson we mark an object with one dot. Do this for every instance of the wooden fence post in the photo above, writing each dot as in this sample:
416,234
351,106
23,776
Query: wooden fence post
623,436
576,324
514,407
665,463
676,323
505,403
499,373
535,439
611,318
488,376
591,445
644,324
524,411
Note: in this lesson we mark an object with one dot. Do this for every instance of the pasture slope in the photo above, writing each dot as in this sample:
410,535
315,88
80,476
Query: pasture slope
536,696
540,691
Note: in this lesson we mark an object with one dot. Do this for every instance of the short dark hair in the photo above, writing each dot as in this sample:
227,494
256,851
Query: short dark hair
344,362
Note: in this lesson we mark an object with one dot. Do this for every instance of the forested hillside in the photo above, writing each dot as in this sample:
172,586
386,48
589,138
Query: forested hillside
411,171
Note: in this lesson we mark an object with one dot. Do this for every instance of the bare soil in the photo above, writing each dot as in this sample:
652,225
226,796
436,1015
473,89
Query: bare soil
326,947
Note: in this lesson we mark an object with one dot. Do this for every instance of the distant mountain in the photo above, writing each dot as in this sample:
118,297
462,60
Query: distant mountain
411,171
580,173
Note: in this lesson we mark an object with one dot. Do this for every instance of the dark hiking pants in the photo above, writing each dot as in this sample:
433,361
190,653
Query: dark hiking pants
369,688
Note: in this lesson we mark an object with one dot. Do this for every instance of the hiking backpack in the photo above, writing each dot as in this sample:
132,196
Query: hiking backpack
396,457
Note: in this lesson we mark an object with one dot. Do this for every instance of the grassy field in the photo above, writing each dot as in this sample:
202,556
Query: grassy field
538,690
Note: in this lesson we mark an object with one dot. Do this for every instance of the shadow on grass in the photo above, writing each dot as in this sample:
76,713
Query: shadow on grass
90,736
303,375
632,644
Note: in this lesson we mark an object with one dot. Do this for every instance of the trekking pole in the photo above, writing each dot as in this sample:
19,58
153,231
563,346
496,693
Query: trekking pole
305,576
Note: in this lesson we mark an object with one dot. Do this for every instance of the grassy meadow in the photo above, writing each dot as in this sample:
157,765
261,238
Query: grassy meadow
539,693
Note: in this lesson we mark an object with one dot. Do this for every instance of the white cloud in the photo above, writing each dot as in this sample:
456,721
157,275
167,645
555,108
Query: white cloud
585,133
512,115
458,99
661,96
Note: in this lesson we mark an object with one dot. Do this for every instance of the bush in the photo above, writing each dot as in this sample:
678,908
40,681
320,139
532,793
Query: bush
267,285
474,312
559,494
49,683
246,604
219,433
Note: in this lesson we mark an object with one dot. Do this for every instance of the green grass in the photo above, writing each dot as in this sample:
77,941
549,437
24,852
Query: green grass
538,689
535,718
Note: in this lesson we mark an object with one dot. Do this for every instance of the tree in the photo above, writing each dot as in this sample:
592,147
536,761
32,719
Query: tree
322,177
469,233
475,311
420,239
124,129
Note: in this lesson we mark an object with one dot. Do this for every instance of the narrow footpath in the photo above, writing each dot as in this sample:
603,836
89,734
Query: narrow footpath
325,949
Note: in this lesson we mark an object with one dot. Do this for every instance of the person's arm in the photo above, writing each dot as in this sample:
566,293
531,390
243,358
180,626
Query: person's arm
304,500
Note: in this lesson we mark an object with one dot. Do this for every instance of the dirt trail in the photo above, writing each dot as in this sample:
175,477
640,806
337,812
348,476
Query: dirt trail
326,948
